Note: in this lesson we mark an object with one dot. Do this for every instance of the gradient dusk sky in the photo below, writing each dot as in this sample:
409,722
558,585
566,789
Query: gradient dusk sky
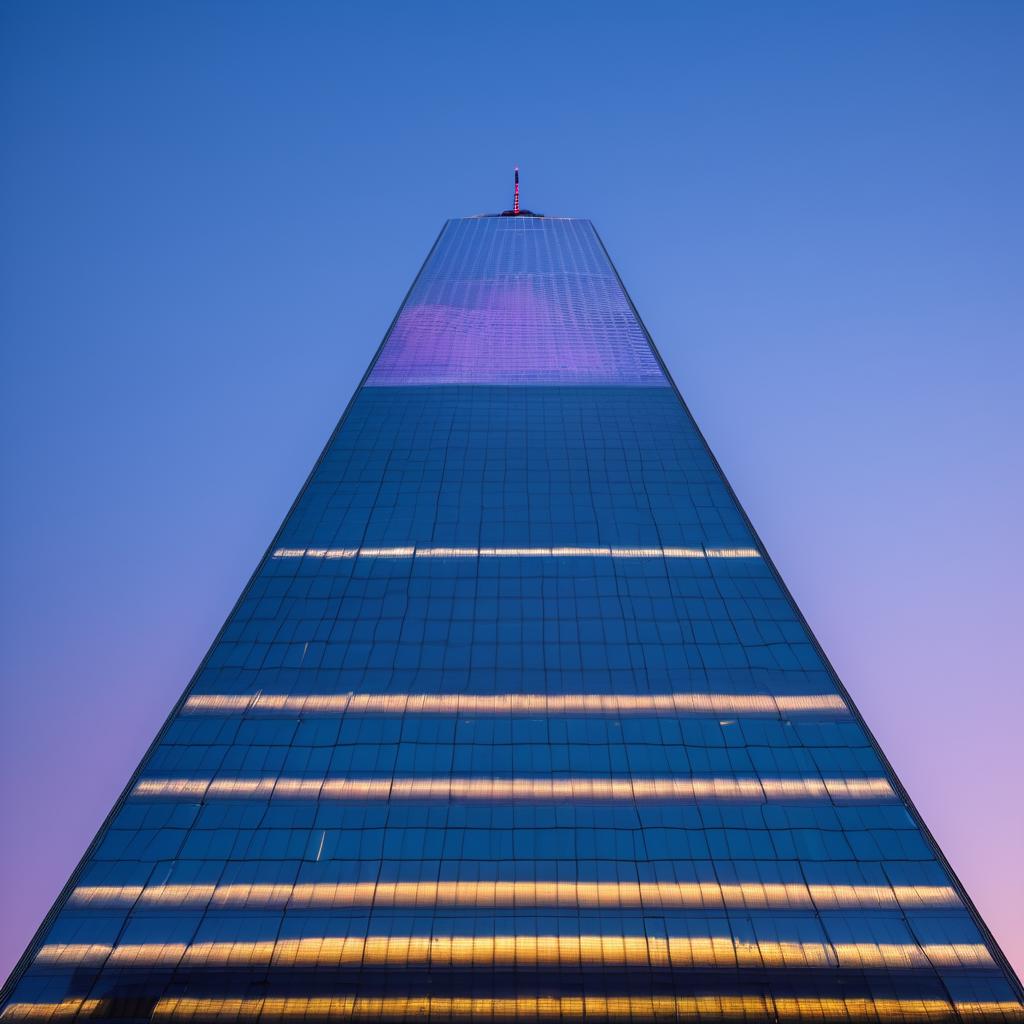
211,211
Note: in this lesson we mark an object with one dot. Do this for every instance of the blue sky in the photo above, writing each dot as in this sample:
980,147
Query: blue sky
210,212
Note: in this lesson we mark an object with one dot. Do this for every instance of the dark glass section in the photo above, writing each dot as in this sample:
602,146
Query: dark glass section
514,721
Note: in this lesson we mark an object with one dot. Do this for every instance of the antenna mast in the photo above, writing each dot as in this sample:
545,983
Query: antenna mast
516,210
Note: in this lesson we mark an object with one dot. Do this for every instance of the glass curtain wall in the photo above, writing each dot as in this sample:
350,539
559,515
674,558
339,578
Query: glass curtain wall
515,720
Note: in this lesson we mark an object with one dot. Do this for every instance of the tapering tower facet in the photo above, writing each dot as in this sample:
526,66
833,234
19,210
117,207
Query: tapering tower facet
515,720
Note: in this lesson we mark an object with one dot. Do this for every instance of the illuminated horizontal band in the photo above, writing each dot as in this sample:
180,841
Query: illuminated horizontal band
567,552
444,951
706,1007
649,895
516,789
516,703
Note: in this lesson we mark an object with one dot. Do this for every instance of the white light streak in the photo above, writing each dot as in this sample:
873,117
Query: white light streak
524,552
755,790
517,703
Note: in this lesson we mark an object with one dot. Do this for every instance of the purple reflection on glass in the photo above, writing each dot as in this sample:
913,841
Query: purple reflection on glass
517,301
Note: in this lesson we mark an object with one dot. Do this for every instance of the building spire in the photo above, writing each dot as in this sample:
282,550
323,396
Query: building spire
517,210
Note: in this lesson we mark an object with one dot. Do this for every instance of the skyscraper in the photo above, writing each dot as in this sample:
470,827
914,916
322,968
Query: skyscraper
514,720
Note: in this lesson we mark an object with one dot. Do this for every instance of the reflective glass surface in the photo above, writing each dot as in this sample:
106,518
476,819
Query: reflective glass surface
517,300
514,721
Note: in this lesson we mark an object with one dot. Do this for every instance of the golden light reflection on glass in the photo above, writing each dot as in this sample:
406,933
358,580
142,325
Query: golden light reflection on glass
517,703
51,1011
650,895
446,951
529,789
704,1007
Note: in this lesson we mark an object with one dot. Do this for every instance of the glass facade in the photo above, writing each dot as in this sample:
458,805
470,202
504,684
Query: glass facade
515,720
